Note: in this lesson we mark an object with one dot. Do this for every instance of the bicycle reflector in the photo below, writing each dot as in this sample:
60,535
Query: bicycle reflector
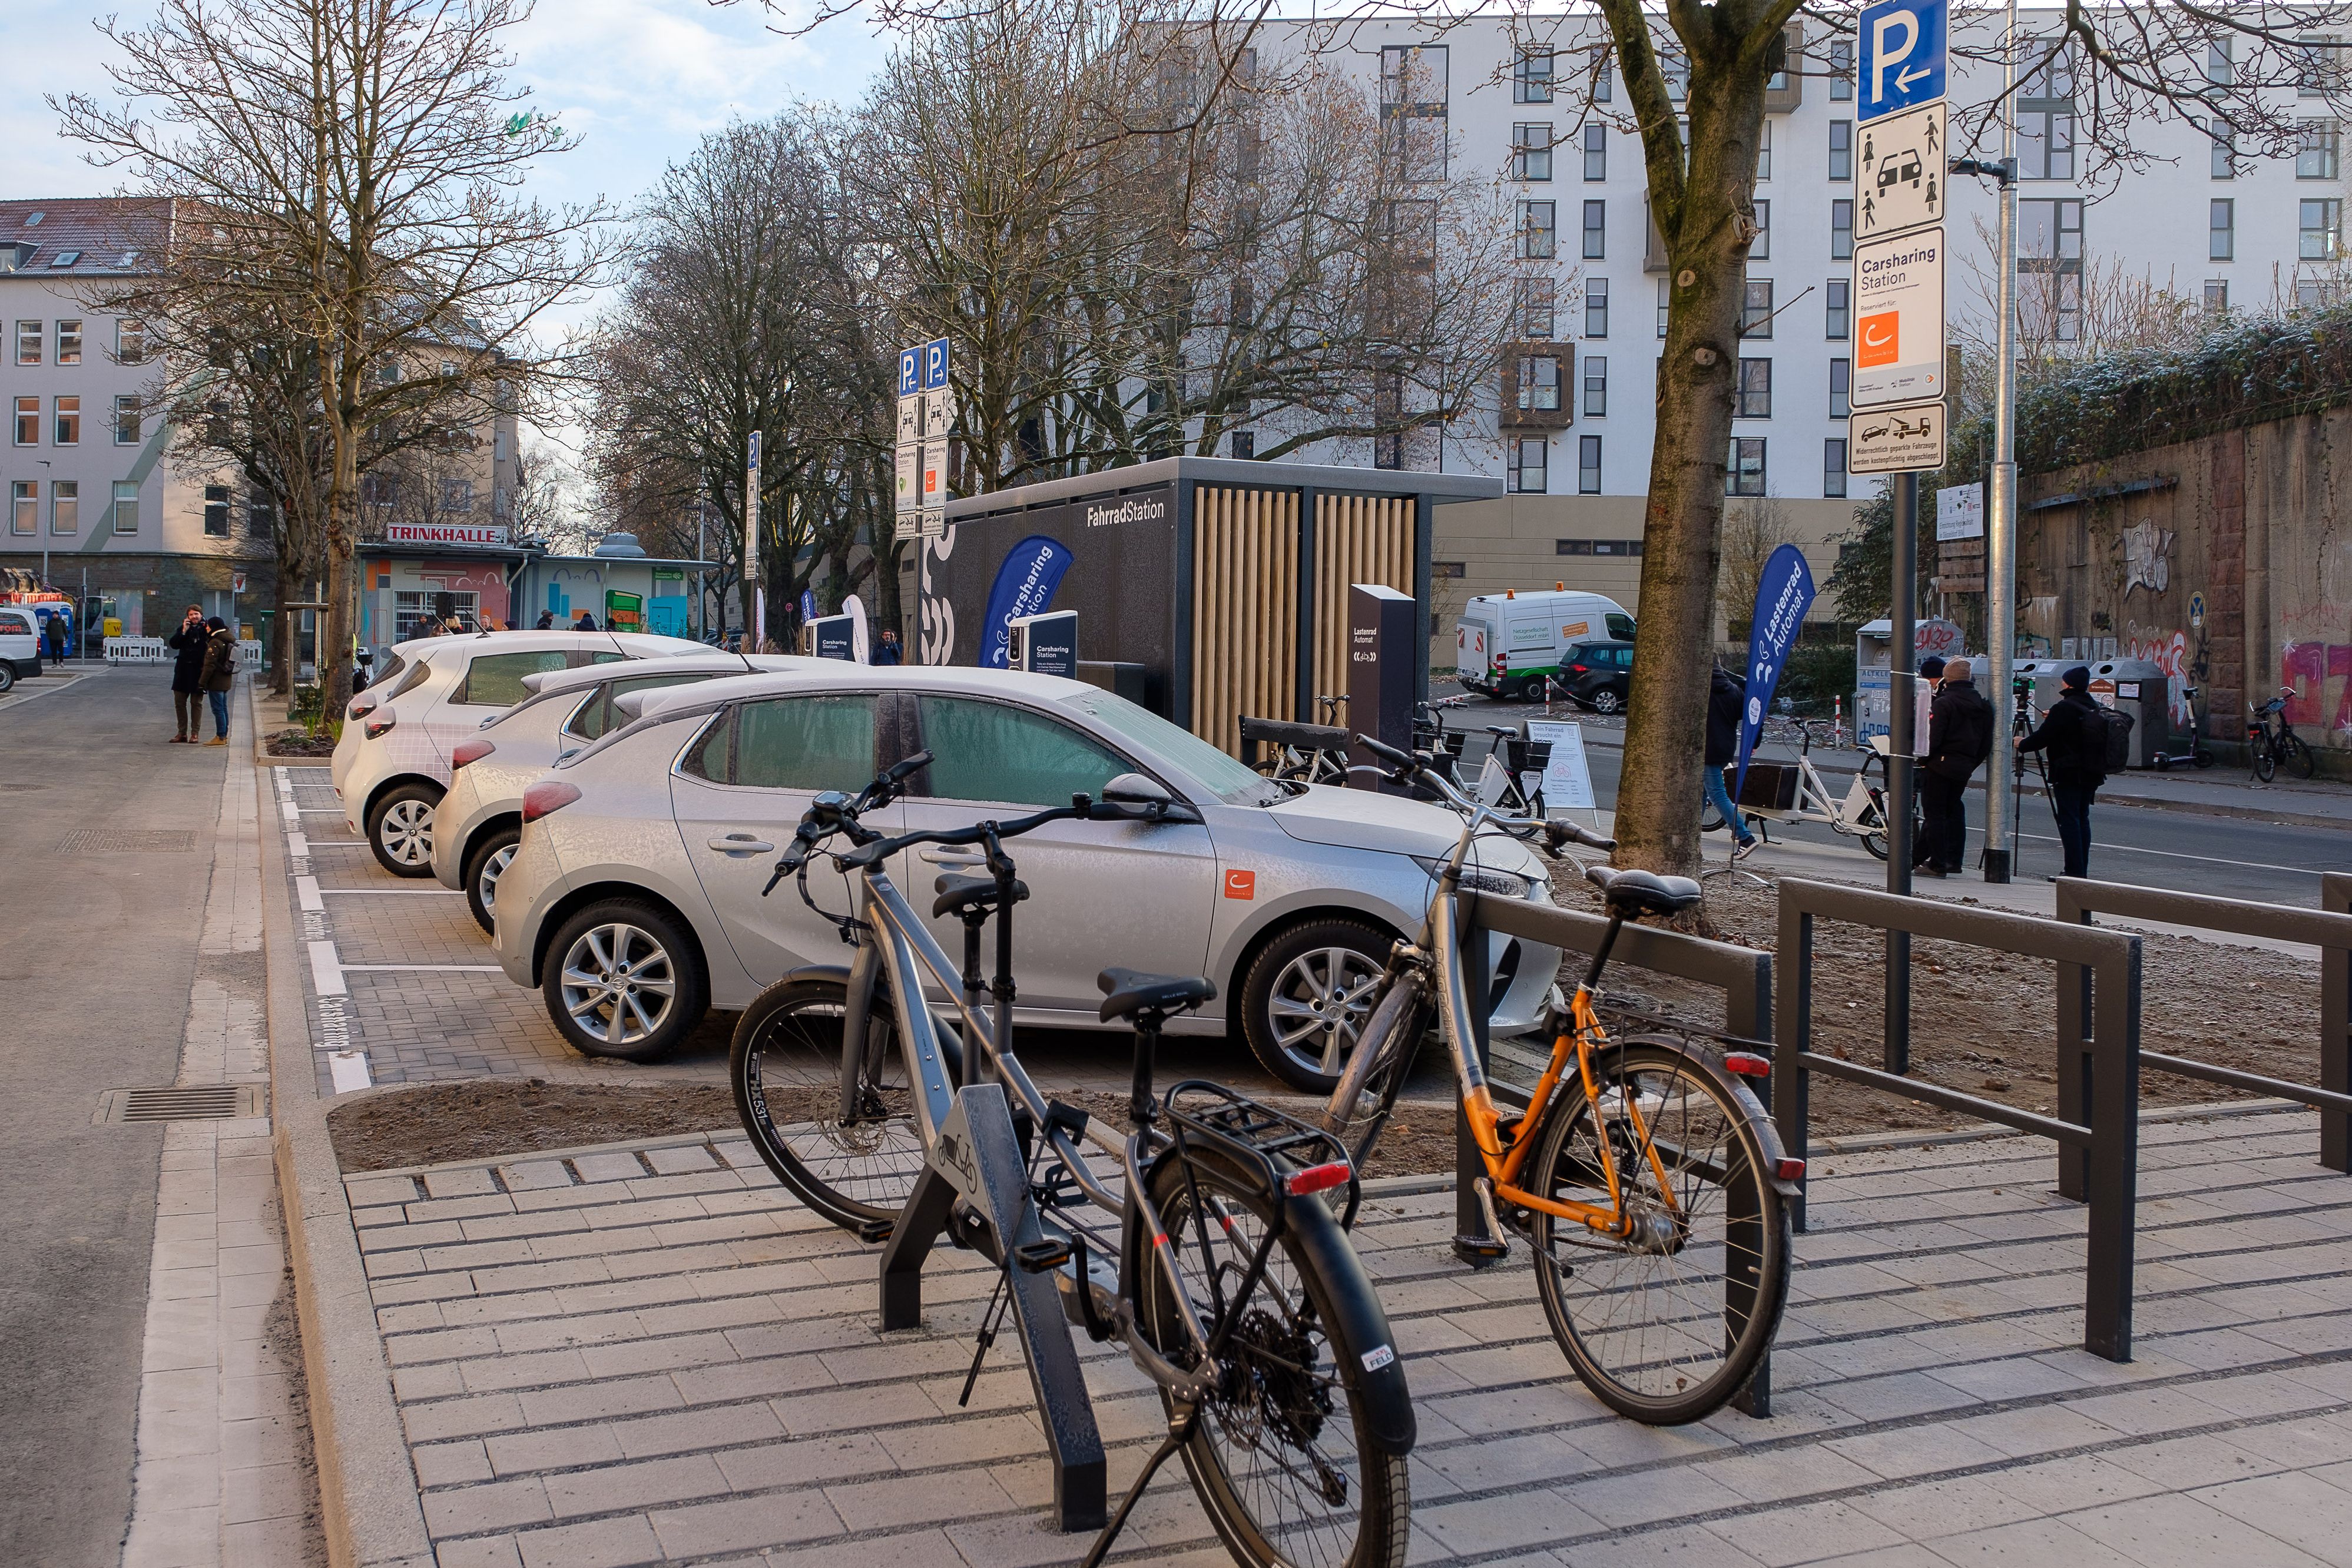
547,795
1318,1178
466,751
1788,1169
377,726
1748,1065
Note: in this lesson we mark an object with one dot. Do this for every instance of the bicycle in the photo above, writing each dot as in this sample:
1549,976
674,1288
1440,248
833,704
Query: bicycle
1226,1270
1860,814
1645,1175
2271,739
1302,753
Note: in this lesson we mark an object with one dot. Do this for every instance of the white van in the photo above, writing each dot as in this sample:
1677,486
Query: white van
20,644
1504,640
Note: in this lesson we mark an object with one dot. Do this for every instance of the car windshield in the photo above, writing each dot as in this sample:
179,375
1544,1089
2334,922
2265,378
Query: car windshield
1229,779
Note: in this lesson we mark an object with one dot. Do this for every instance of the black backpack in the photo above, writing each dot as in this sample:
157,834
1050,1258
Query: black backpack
2106,740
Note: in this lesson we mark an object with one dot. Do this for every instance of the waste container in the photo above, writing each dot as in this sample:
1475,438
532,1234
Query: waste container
2138,687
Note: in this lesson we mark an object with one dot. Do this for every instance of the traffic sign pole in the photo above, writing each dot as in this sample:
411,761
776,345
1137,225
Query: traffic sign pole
2001,523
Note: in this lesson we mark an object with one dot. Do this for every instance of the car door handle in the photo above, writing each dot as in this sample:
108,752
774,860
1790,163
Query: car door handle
741,844
951,857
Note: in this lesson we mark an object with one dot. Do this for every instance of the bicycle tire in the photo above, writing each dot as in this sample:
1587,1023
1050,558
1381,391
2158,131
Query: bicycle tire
1383,1054
2296,753
784,1057
2260,753
1298,1377
1679,1368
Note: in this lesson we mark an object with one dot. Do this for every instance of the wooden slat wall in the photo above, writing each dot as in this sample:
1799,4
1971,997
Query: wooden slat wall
1244,609
1357,538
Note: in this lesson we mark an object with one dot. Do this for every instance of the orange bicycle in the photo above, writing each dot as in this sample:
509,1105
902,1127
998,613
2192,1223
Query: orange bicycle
1644,1172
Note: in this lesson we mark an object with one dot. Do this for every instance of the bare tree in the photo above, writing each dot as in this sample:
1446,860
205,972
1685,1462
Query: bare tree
1753,527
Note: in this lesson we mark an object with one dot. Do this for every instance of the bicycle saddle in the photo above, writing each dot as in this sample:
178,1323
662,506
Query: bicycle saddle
1641,892
961,891
1303,737
1502,732
1128,992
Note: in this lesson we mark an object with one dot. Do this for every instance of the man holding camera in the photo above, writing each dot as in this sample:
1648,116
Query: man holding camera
1959,738
2073,731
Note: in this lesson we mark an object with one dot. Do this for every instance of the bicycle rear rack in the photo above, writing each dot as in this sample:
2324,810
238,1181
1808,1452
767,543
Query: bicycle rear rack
1274,1140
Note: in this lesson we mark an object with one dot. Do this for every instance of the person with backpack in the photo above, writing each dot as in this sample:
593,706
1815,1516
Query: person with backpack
1959,738
1727,693
2073,731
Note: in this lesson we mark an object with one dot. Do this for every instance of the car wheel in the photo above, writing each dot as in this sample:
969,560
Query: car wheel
400,829
7,675
484,867
1606,700
623,981
1306,998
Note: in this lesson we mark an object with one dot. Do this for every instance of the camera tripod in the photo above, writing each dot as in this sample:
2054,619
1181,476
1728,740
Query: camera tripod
2021,726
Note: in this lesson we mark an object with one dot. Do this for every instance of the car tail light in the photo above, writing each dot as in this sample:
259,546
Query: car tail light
547,795
377,726
1578,669
1748,1065
1318,1178
1788,1169
362,706
466,751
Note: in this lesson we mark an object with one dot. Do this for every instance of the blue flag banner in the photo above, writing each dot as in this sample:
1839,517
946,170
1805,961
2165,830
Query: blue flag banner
1782,597
1025,585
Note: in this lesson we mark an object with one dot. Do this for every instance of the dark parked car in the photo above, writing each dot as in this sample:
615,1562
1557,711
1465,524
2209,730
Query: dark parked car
1598,674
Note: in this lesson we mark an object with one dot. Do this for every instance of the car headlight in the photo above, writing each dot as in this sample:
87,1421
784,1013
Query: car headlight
1478,879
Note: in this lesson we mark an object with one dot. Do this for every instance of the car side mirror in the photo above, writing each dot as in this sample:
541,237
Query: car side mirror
1147,799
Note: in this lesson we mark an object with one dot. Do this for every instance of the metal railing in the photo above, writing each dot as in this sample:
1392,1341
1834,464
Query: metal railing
2328,929
2108,962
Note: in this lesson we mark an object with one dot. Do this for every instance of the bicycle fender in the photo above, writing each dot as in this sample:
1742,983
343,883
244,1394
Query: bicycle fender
1768,1135
1361,1327
836,972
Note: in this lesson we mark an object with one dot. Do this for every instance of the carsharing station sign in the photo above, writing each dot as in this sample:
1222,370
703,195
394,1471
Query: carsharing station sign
1898,390
1902,55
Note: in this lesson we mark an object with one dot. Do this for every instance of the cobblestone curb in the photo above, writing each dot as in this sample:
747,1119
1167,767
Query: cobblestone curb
367,1486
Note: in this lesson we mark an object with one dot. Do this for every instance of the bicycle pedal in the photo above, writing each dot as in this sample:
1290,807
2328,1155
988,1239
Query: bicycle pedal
1487,1249
1038,1257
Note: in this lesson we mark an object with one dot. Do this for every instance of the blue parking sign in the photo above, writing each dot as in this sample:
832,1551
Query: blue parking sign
935,365
909,371
1901,56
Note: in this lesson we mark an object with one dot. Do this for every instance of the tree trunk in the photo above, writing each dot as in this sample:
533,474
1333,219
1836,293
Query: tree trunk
282,638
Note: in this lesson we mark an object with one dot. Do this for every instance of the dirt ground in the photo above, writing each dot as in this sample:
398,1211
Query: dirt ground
301,743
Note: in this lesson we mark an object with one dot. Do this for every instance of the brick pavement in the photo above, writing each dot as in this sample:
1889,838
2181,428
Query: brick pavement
649,1354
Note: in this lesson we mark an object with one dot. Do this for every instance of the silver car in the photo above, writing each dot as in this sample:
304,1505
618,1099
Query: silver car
638,897
478,820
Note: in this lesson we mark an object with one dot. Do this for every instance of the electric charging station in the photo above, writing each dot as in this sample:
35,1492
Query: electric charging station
1045,645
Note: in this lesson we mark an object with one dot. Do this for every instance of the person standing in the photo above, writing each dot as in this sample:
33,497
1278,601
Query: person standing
2074,735
887,651
188,645
546,621
1931,674
220,674
1726,692
1959,738
55,631
587,622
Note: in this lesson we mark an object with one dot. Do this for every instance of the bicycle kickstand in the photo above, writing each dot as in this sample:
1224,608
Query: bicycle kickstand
1180,1429
999,1301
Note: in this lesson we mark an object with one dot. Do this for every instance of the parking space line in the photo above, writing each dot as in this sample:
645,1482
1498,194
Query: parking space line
306,891
396,891
348,1070
327,970
296,844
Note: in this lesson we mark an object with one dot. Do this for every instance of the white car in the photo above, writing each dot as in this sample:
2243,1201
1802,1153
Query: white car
392,763
479,819
637,896
20,645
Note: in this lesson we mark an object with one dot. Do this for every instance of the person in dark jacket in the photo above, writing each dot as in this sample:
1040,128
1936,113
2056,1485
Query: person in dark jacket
1959,738
887,651
1931,674
220,674
188,645
57,635
1727,693
546,620
587,622
2076,740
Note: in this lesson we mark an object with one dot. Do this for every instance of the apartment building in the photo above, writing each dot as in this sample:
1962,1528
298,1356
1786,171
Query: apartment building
1574,445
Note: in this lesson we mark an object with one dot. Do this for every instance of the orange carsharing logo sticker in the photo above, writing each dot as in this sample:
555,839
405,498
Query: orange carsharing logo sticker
1241,885
1881,342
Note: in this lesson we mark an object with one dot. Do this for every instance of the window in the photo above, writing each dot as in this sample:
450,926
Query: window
1443,570
1596,307
1604,83
1744,472
1531,79
1839,326
1833,468
1596,231
1528,456
1666,304
2225,150
1676,71
216,515
2315,149
1754,397
456,495
1840,388
69,342
126,420
1530,151
2320,226
1620,549
806,743
1242,445
23,506
494,680
1596,151
411,611
69,410
65,506
1755,309
1538,231
2316,66
28,422
130,341
1841,149
2219,68
2217,295
597,715
1413,108
2050,268
2310,294
1760,247
28,343
1536,308
260,517
1388,413
1596,386
1841,231
126,506
2222,227
1539,379
1840,70
2046,122
994,752
1764,153
1588,466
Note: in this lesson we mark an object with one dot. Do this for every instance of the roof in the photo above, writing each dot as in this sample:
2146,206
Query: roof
1247,473
104,237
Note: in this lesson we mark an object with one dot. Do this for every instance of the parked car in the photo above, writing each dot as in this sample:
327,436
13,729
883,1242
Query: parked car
391,764
20,645
479,819
637,896
1504,640
1597,675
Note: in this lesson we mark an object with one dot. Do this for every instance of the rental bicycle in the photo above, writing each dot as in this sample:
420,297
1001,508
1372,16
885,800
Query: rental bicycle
1222,1265
1804,797
2272,742
1644,1172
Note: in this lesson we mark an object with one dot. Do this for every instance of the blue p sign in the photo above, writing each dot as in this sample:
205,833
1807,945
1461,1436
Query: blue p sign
935,365
909,371
1902,55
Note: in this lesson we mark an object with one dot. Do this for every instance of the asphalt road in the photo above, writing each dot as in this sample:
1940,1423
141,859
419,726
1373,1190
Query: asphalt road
103,956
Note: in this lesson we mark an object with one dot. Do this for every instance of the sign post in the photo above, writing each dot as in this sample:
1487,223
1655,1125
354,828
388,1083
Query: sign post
757,632
923,456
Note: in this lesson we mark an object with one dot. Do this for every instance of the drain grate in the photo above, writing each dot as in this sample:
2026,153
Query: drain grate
118,842
205,1103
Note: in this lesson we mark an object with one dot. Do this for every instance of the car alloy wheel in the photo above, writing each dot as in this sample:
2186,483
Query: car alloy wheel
489,863
400,829
1317,1005
1606,700
486,882
618,984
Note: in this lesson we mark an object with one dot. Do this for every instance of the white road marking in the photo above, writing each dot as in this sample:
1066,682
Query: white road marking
296,844
327,970
397,892
2177,855
435,968
349,1070
306,891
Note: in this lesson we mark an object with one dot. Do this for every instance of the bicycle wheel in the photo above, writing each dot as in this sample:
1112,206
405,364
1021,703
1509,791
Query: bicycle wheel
785,1067
2296,753
2264,758
1376,1071
1284,1453
1667,1325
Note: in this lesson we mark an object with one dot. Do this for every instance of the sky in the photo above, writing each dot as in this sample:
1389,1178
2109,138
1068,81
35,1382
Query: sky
639,81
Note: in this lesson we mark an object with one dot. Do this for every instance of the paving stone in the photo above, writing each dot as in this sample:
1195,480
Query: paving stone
681,1158
533,1176
607,1167
462,1182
